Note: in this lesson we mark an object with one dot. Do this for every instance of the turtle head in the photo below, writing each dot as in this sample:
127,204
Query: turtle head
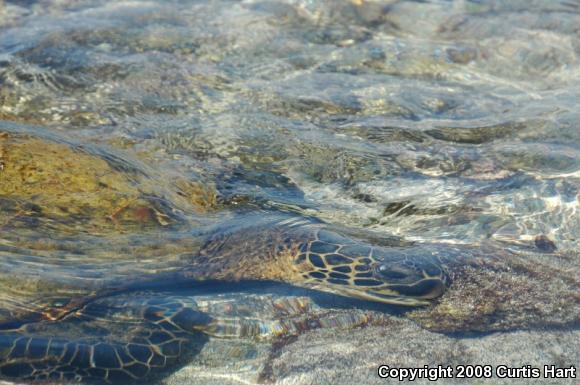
410,275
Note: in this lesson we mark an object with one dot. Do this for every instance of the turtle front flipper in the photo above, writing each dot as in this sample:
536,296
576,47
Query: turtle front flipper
115,340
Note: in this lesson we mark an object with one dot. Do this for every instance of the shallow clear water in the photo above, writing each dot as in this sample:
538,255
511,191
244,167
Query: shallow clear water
433,121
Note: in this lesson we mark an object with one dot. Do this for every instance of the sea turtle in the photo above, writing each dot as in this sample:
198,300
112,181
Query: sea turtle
153,332
292,250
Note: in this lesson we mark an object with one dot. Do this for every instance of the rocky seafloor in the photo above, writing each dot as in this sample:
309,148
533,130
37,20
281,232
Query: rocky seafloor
328,356
352,355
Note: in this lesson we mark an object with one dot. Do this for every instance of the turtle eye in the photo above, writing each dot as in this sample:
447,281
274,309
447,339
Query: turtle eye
60,302
397,272
432,270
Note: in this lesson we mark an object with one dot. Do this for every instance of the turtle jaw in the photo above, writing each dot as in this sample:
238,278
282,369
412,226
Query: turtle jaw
383,295
392,298
420,293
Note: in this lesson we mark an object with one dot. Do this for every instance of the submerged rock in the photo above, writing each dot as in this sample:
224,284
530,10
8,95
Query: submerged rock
344,350
326,357
49,183
74,215
512,292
